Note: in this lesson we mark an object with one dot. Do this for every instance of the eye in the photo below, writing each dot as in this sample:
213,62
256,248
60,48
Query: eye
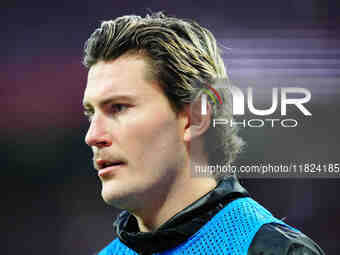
88,114
117,108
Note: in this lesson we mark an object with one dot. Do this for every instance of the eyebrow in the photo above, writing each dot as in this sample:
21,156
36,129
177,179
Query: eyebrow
109,99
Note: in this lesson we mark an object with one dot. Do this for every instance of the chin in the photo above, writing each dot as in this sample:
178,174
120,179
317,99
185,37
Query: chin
122,199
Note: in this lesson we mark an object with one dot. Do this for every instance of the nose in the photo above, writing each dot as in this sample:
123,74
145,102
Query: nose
97,134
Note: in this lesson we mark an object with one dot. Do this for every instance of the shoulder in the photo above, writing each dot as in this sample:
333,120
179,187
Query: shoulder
115,247
274,238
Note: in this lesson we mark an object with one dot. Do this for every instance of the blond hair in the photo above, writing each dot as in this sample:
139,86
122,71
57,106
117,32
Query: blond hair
183,57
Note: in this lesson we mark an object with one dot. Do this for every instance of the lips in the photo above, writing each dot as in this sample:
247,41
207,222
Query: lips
106,167
105,163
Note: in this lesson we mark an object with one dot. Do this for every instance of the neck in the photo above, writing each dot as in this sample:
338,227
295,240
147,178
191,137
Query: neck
181,194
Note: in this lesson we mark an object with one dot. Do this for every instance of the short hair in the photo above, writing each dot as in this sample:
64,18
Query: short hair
184,58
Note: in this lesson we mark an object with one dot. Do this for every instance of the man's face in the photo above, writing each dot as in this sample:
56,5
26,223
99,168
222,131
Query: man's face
136,138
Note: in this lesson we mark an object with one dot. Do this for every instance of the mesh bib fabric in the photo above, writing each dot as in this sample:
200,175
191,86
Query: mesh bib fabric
229,232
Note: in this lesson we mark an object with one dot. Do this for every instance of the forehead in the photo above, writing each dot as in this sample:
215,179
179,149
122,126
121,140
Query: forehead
126,75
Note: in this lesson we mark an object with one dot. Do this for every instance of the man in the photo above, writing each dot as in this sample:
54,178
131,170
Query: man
147,133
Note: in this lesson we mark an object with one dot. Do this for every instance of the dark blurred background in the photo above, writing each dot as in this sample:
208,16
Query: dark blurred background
52,201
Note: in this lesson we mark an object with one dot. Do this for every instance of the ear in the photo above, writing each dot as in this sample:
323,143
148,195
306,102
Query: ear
197,122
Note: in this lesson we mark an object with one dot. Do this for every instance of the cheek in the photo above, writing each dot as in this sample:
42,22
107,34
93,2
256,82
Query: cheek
152,136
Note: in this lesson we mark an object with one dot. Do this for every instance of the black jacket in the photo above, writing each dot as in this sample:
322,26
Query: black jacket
271,239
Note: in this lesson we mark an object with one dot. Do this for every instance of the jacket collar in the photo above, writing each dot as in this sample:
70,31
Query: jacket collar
182,225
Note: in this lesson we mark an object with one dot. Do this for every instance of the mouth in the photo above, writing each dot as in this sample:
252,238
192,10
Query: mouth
106,168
